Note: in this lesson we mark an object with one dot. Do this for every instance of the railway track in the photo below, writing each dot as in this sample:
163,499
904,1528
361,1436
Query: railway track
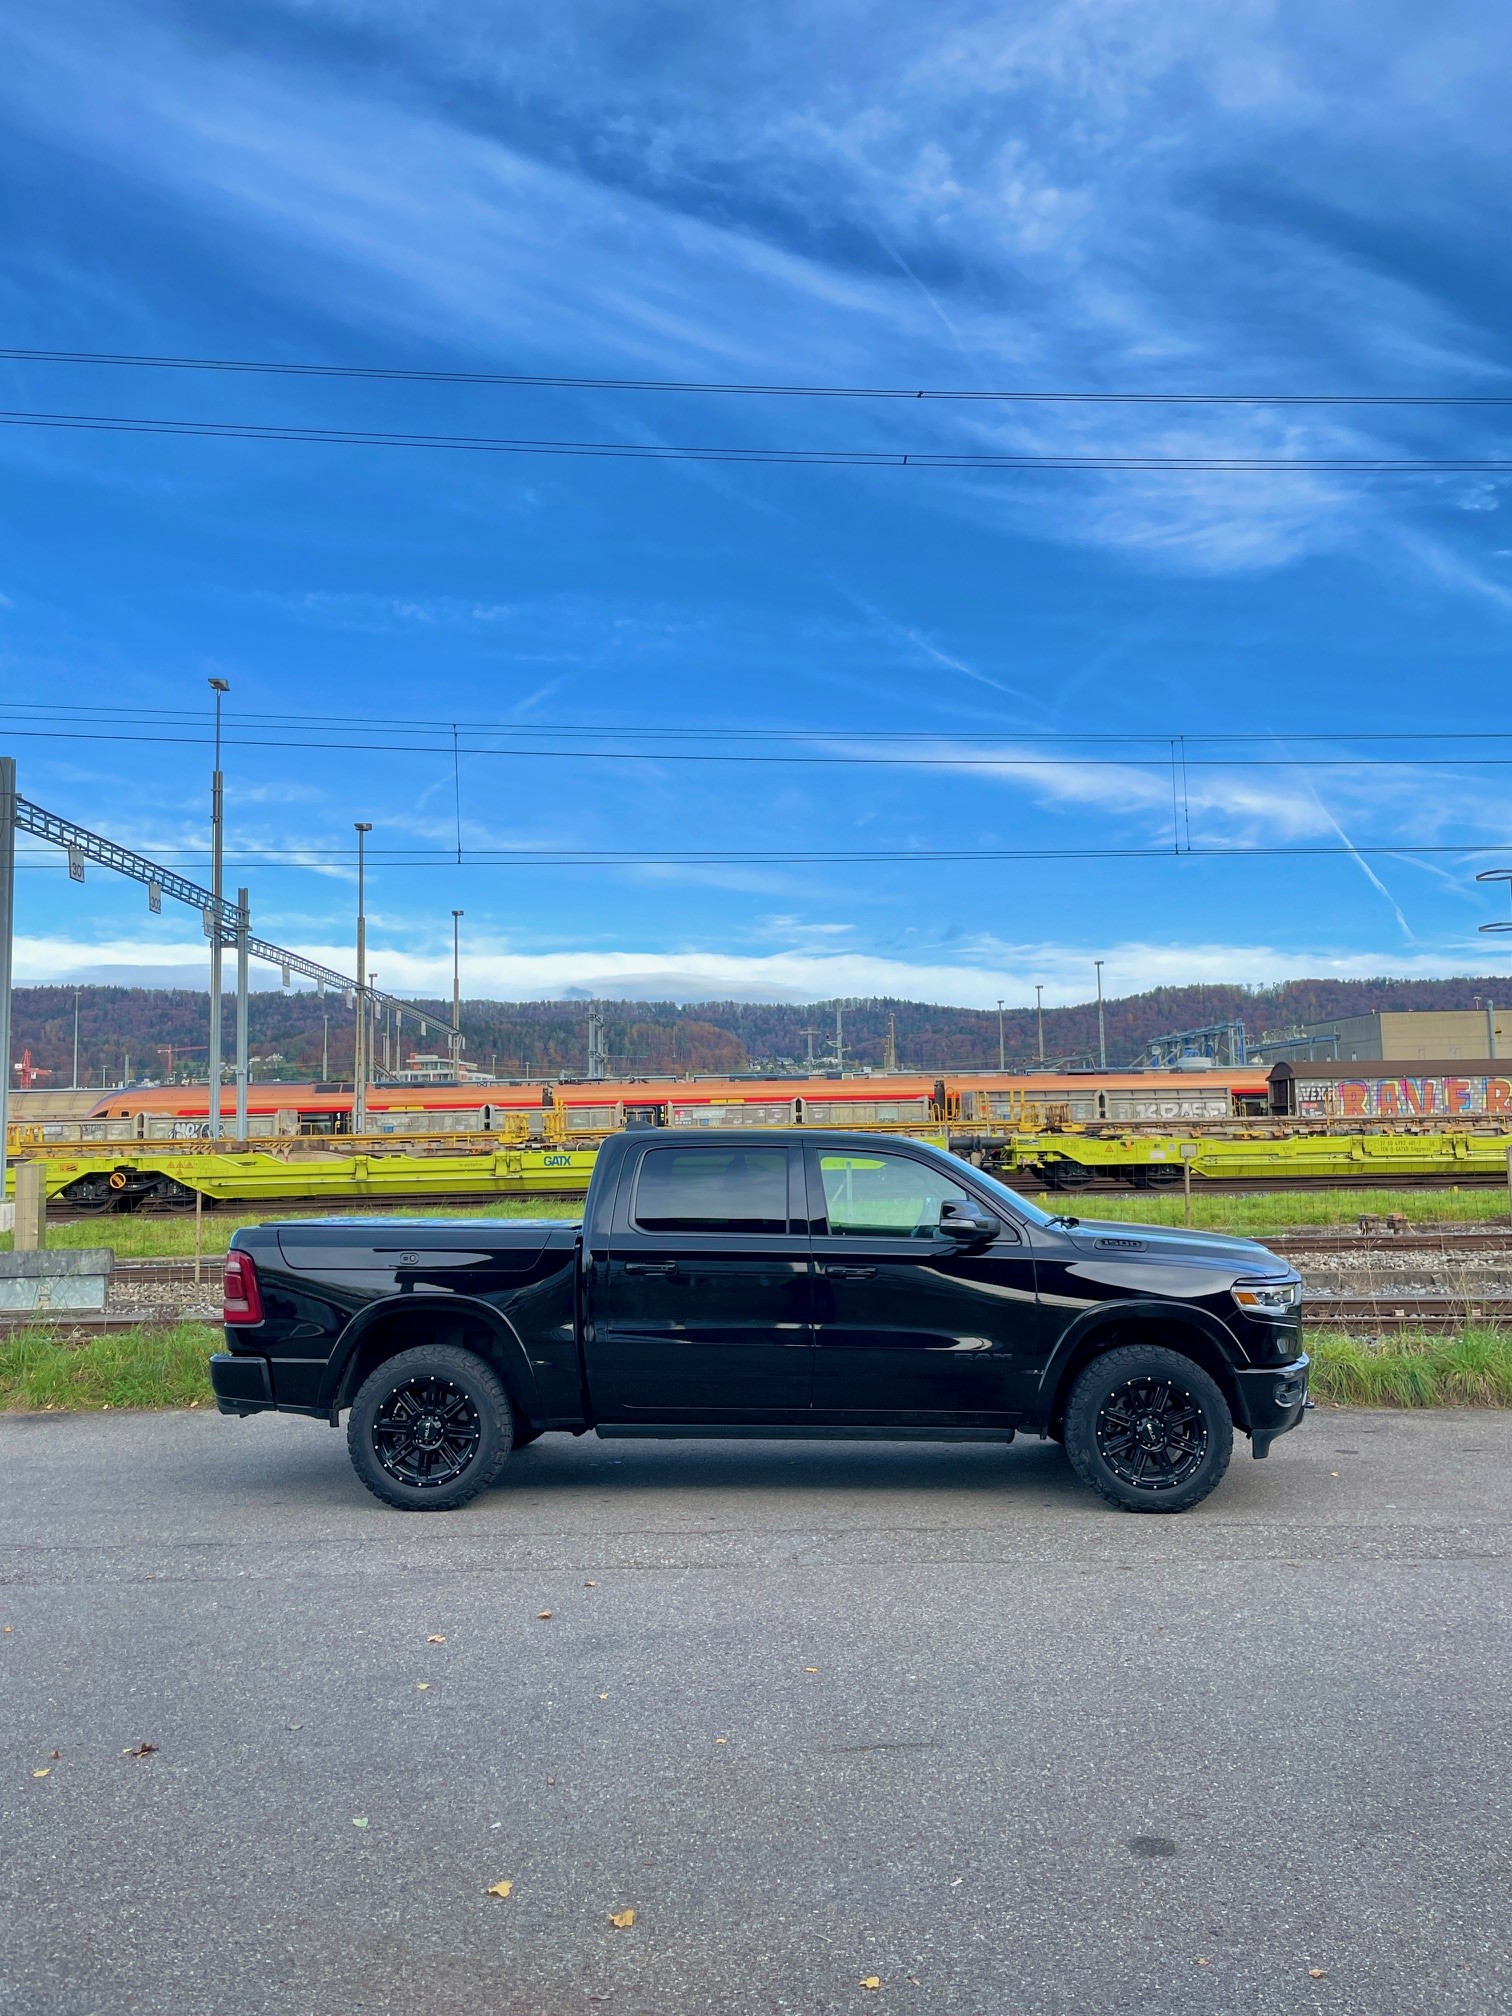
1290,1246
297,1207
1369,1315
1429,1243
1380,1315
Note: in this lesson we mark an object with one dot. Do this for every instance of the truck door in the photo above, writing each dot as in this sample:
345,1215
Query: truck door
698,1301
909,1326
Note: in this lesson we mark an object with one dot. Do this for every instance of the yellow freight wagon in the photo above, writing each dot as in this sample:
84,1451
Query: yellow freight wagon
104,1182
1070,1161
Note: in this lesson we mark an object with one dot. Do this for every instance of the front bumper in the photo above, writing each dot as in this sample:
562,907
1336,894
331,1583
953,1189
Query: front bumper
1272,1399
242,1384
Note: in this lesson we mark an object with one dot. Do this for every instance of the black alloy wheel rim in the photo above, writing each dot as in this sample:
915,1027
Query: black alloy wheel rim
426,1432
1151,1434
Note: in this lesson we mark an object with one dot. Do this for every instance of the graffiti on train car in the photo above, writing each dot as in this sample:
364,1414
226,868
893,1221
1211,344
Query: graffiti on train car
1203,1106
1402,1098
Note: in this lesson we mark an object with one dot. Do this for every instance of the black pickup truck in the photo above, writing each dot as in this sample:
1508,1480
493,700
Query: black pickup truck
768,1284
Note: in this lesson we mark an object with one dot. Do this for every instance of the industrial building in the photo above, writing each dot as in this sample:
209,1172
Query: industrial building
1407,1035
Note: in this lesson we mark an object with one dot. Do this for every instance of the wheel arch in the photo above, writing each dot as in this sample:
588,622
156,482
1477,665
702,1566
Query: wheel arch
1175,1326
402,1322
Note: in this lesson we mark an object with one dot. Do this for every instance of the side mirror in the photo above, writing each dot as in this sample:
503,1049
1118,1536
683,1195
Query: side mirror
968,1222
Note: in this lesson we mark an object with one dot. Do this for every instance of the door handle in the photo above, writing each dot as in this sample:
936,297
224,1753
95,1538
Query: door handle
838,1273
650,1266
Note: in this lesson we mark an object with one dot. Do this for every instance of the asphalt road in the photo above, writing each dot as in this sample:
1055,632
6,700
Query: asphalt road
815,1714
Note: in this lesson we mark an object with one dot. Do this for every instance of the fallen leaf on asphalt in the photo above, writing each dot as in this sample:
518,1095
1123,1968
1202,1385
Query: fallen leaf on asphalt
421,1686
621,1920
44,1772
437,1640
360,1821
141,1750
10,1627
55,1755
721,1739
1316,1974
1201,1962
543,1615
811,1669
872,1981
603,1697
500,1889
590,1585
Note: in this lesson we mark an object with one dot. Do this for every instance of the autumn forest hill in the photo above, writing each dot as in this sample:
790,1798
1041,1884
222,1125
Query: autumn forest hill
549,1038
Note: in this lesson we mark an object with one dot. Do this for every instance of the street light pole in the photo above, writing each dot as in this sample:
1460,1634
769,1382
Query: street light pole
1001,1065
1102,1040
1039,1016
76,1042
456,1042
220,688
359,1040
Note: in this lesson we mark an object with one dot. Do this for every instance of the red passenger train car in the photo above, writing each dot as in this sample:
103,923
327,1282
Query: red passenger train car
967,1100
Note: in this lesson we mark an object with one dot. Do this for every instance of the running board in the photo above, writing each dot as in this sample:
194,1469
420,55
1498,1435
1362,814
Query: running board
616,1431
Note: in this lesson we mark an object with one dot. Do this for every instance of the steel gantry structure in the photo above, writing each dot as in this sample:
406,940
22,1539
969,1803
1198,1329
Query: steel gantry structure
227,925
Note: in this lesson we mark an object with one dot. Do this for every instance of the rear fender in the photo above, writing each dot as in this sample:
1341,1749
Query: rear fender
400,1322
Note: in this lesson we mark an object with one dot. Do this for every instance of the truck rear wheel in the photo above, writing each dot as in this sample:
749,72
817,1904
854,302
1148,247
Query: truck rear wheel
430,1428
1148,1429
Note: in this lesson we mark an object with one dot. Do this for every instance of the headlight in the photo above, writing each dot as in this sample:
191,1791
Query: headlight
1267,1298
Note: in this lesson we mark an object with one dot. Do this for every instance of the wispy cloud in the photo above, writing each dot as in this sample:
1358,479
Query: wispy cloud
1010,183
799,974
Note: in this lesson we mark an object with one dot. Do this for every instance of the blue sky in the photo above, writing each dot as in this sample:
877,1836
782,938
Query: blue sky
1256,198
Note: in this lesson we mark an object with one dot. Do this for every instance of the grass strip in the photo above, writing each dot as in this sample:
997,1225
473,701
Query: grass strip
1258,1213
150,1235
159,1365
165,1366
1413,1369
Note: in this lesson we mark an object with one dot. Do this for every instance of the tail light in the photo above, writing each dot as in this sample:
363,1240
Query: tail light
242,1300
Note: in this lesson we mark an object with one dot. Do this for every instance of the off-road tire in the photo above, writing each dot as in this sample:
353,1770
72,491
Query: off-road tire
460,1416
1148,1429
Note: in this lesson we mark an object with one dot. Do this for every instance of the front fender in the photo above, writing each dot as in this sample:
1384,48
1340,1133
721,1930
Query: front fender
425,1315
1097,1329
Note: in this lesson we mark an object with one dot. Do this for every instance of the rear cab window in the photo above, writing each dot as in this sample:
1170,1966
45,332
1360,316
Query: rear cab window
711,1189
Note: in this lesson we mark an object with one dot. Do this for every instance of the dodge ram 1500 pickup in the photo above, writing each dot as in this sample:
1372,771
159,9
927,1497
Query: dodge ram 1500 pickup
774,1284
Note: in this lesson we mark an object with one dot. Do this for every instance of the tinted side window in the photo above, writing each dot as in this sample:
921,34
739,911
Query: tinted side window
886,1194
712,1190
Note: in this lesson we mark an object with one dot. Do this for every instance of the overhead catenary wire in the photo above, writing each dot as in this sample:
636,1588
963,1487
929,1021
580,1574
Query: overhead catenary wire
851,458
561,381
961,760
307,857
419,724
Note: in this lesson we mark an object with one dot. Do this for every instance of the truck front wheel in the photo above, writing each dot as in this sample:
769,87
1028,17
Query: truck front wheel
430,1428
1148,1429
